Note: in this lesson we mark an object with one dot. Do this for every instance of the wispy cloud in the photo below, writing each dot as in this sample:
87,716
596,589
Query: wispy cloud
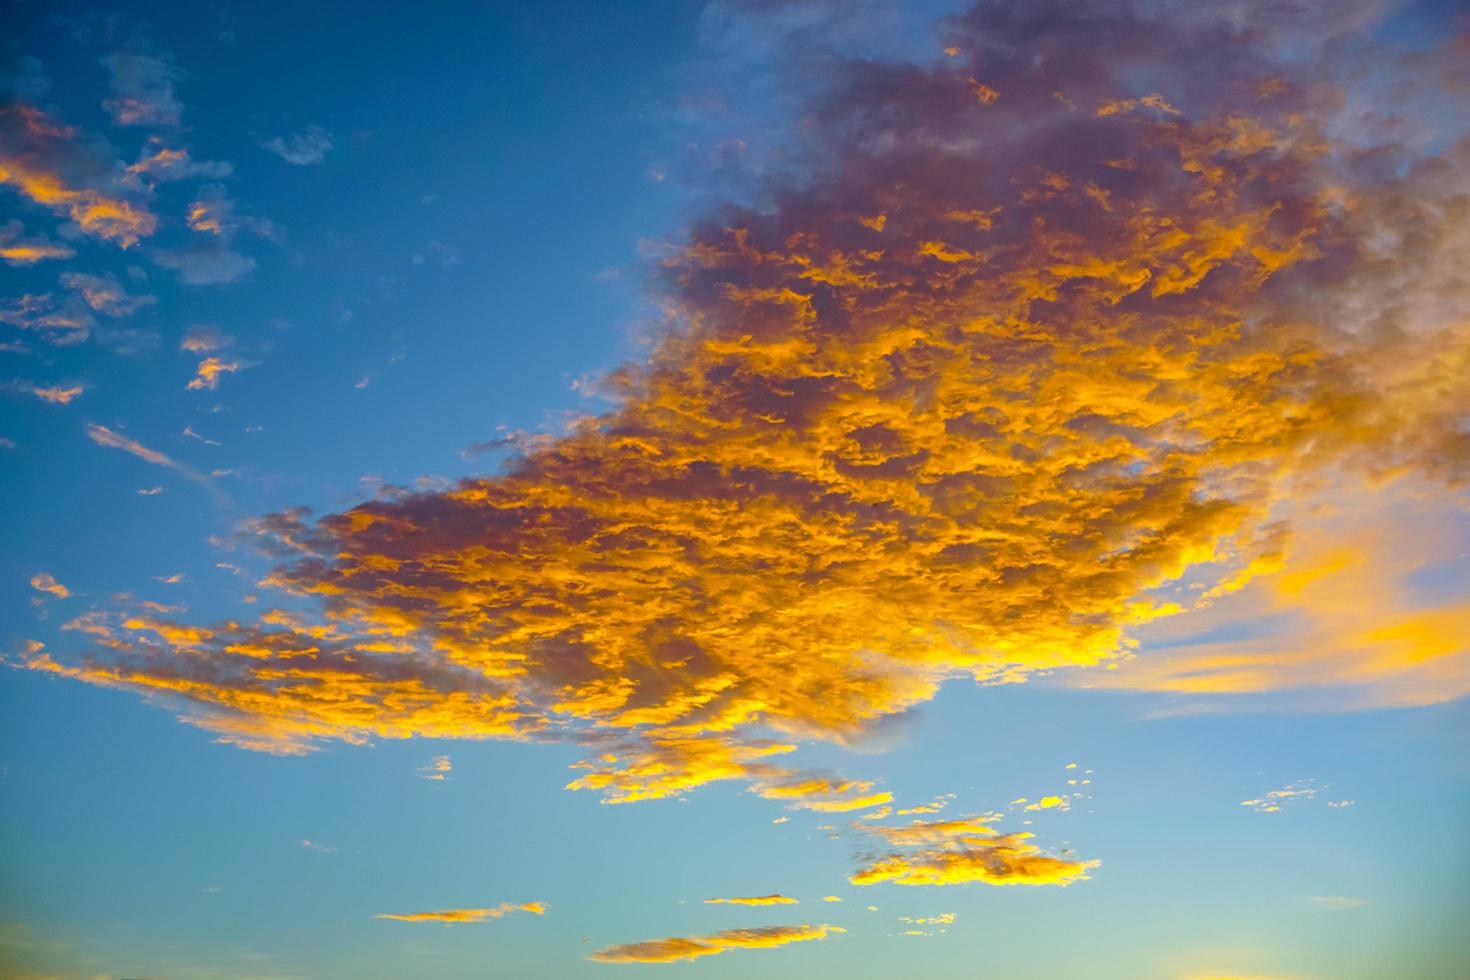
103,436
141,81
436,769
757,900
55,394
451,917
676,948
307,147
16,249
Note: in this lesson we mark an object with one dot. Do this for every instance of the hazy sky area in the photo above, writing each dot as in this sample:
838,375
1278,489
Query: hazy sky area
846,488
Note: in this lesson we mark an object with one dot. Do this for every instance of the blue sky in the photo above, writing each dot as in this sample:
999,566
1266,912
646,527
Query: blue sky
858,411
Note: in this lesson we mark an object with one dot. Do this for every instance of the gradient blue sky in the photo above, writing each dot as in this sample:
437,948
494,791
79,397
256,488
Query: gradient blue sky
469,252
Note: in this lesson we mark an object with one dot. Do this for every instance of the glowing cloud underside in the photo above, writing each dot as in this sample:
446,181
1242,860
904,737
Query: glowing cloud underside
1023,345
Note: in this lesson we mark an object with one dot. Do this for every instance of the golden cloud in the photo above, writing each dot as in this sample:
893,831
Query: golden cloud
451,917
956,852
33,151
973,396
46,582
691,947
758,900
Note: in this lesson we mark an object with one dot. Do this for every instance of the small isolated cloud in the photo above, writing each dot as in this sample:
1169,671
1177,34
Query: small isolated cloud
189,433
320,848
830,898
203,339
151,491
676,948
309,146
142,86
756,900
104,294
204,262
55,394
451,917
436,769
17,249
46,582
207,375
213,211
1340,902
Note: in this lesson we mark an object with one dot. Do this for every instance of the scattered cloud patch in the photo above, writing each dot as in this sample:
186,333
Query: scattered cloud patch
450,917
675,948
307,147
756,900
436,769
46,582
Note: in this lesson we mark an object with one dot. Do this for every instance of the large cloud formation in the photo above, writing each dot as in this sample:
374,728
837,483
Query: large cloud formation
1032,332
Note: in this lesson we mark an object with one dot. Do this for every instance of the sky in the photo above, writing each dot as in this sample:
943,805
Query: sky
843,488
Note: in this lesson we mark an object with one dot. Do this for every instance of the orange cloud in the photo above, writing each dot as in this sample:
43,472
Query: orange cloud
759,900
46,582
451,917
18,250
55,394
1082,362
691,947
208,373
954,852
32,151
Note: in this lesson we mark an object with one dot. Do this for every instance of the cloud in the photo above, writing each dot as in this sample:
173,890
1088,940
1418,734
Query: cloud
1339,902
309,146
46,582
676,948
207,375
104,294
203,339
1276,799
1336,616
47,164
451,917
18,250
103,436
61,323
141,82
758,900
161,164
974,389
436,769
955,852
204,262
55,394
